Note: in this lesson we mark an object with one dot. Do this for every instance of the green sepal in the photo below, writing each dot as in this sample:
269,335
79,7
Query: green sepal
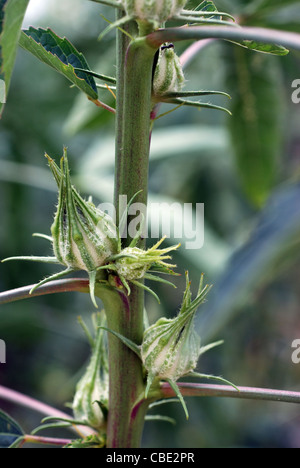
115,24
212,377
90,401
158,417
42,236
175,387
151,277
194,20
92,285
126,341
33,258
204,105
56,276
100,76
146,288
55,422
199,13
179,94
206,348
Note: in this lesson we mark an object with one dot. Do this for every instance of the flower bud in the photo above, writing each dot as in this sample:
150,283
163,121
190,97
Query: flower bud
133,263
153,11
171,347
90,402
83,236
168,74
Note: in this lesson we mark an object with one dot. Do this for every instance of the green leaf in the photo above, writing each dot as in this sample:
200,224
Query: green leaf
10,430
207,5
273,246
11,17
61,55
272,49
130,344
256,122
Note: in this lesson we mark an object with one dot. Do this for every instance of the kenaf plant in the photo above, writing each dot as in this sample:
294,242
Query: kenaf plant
142,363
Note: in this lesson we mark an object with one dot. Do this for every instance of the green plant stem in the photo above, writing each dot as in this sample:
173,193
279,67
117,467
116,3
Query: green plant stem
122,44
59,286
133,124
28,438
249,393
135,59
229,33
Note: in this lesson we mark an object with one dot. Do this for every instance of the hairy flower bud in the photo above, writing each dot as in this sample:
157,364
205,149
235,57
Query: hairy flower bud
153,11
86,238
133,263
168,74
171,347
83,236
90,401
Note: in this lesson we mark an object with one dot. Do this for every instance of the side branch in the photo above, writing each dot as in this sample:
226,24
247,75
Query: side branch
249,393
228,33
59,286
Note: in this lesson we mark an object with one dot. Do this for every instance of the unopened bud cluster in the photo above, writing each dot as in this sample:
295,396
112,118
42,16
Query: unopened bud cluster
91,397
83,236
153,11
171,347
168,74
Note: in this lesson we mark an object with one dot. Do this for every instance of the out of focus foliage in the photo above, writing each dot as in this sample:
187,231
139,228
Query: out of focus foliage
245,170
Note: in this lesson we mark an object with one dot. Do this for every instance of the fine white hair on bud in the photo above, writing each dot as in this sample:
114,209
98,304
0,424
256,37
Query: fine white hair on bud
171,347
86,238
90,402
168,73
155,11
133,264
83,236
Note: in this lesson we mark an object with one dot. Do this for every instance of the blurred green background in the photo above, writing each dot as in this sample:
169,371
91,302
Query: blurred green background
244,168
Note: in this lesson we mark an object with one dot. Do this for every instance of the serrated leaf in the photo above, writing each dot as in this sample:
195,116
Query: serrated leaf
10,430
11,17
61,55
255,125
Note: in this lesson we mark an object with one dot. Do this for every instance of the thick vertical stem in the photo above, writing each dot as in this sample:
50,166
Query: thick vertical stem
123,42
125,424
133,116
